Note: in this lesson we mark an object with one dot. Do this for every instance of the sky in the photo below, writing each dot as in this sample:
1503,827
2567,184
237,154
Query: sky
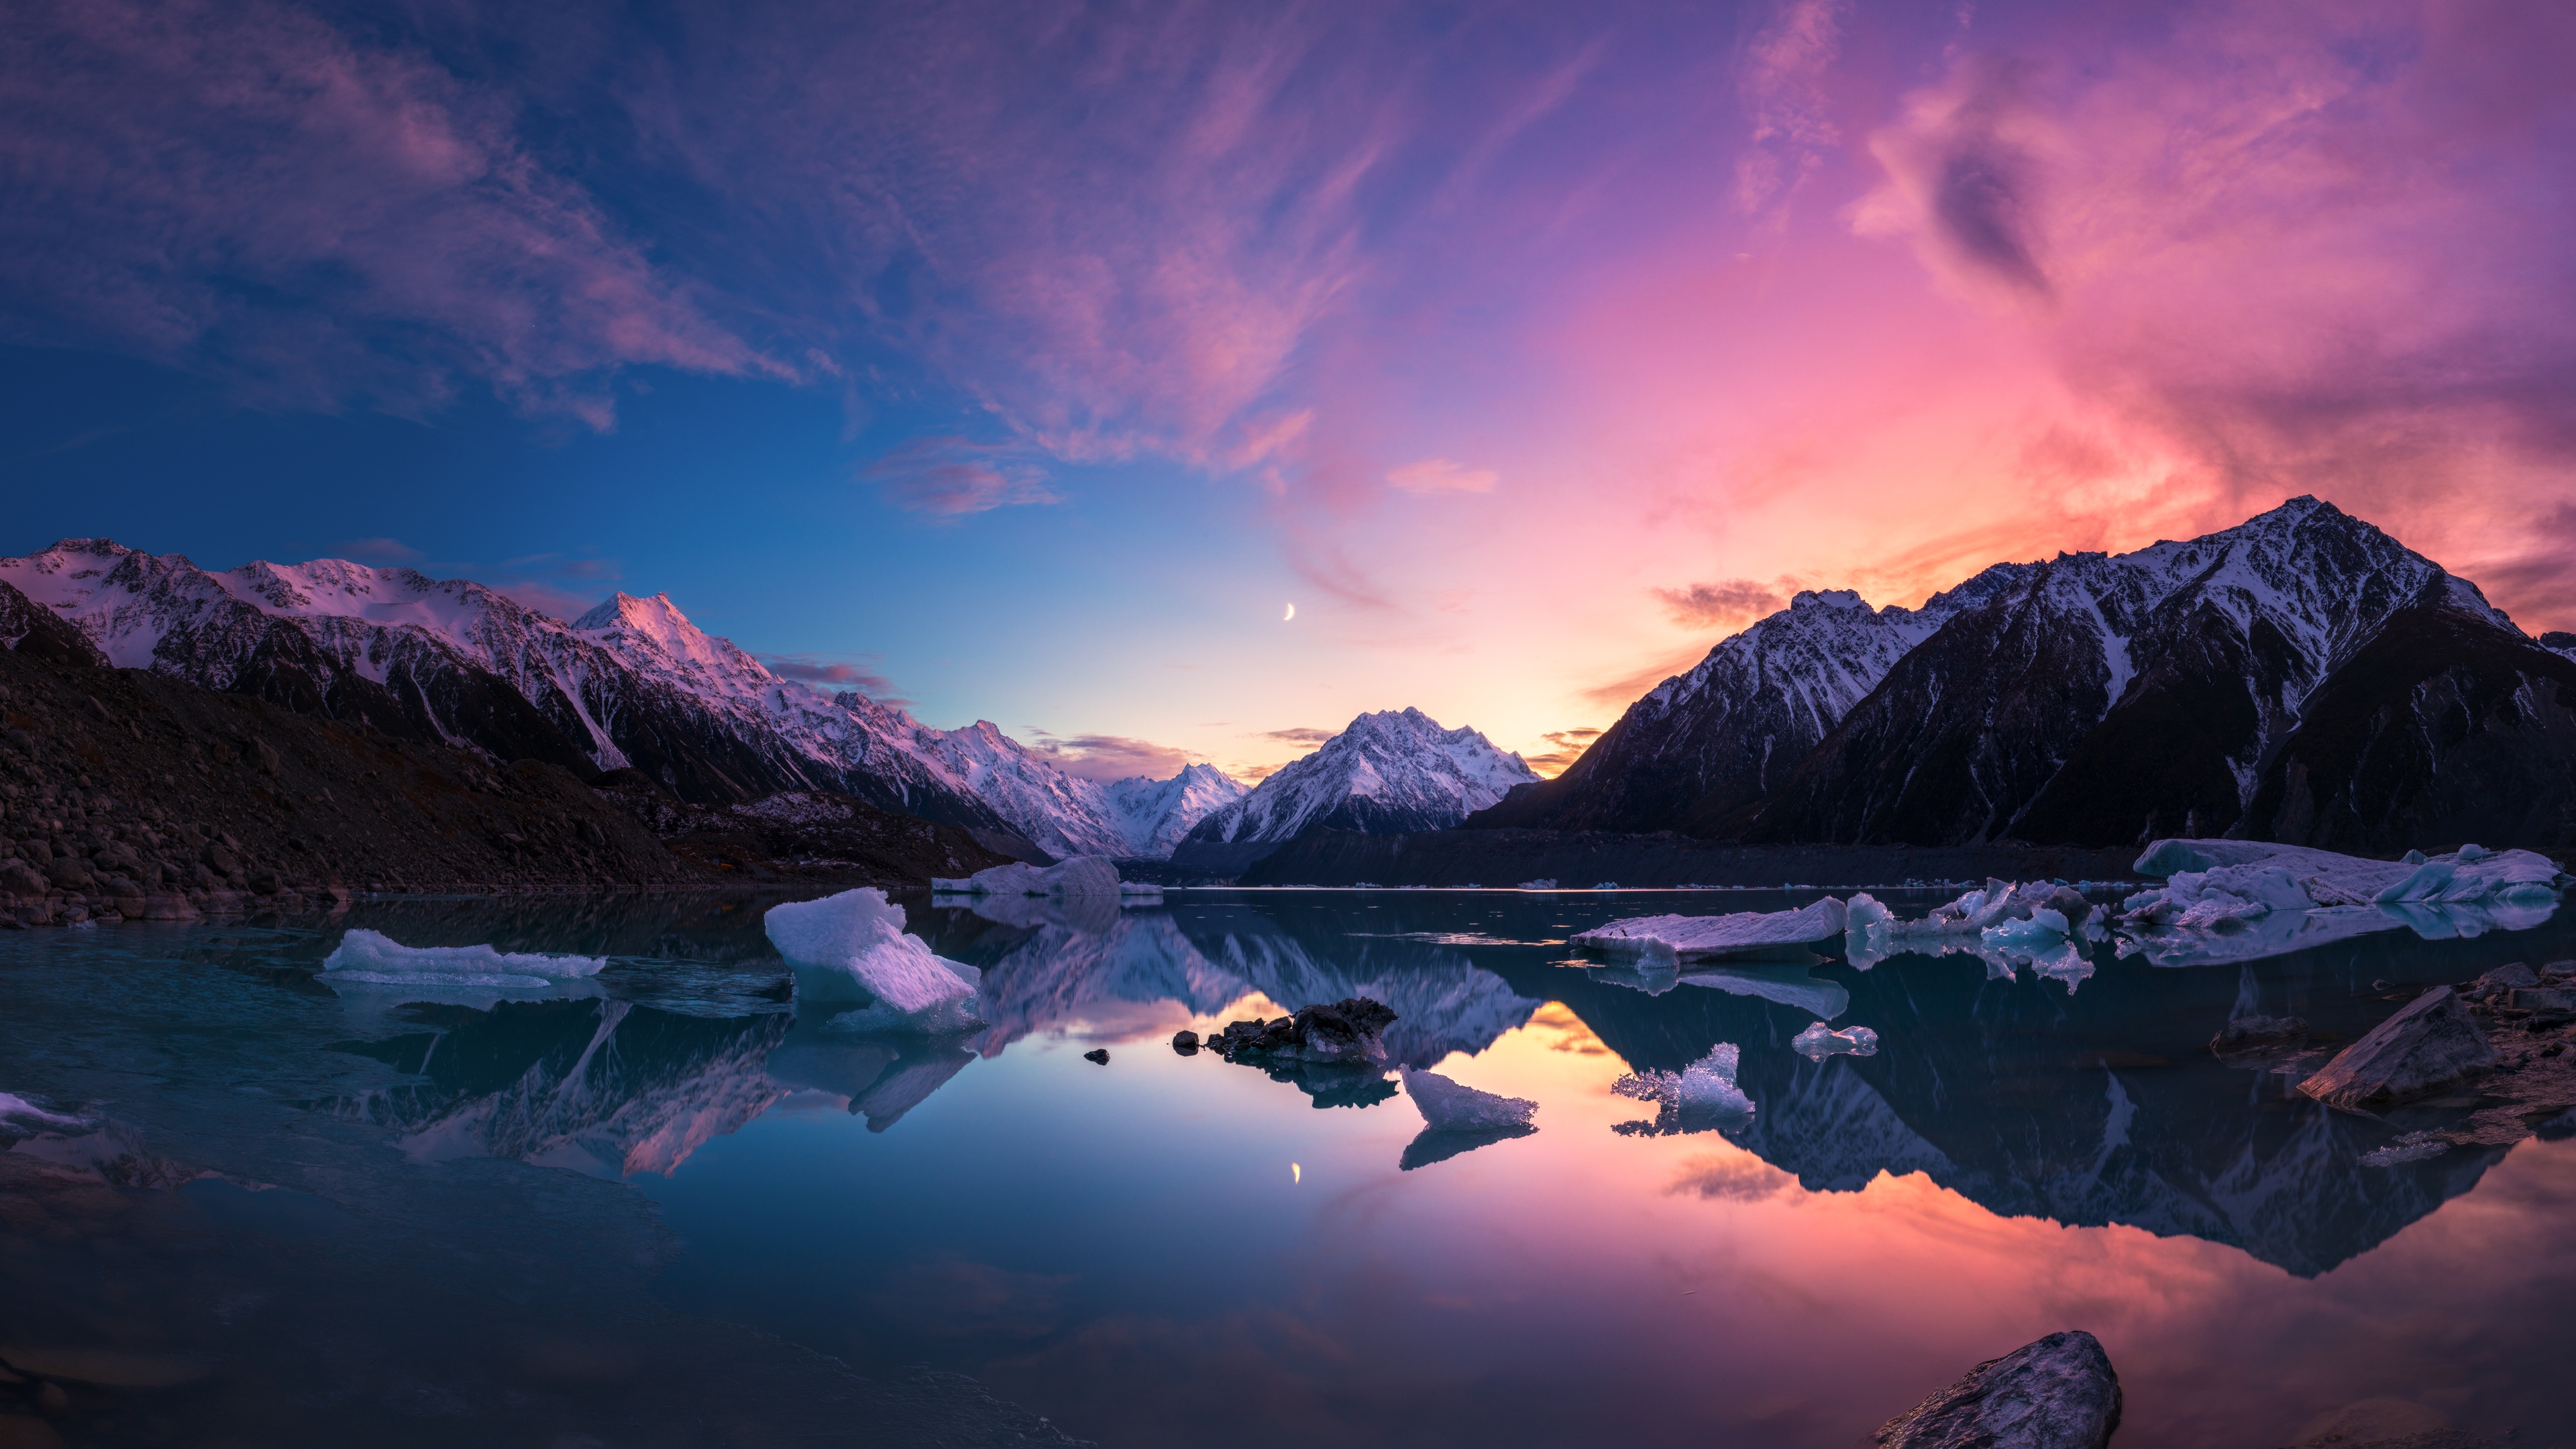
1030,361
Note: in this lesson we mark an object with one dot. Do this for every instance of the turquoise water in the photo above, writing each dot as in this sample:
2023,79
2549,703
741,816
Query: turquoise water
664,1205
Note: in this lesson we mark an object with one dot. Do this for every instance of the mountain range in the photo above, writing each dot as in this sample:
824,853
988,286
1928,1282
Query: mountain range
2300,677
631,684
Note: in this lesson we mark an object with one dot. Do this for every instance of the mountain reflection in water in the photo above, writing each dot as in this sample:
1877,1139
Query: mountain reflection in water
2089,1108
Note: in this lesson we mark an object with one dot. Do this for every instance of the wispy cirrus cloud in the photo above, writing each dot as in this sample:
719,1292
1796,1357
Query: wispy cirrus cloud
835,675
318,218
949,477
1727,603
1300,735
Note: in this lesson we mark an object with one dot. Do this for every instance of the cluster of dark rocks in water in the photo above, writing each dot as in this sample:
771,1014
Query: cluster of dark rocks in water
1345,1031
2509,1031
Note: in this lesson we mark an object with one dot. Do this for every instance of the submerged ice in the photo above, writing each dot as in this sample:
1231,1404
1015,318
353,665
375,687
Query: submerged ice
1820,1041
372,958
852,947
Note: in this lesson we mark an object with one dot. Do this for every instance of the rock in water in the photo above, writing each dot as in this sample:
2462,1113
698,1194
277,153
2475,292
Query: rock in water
2056,1393
2431,1044
1097,1055
2250,1035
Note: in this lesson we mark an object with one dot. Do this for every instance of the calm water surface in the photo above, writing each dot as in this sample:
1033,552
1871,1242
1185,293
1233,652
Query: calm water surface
657,1206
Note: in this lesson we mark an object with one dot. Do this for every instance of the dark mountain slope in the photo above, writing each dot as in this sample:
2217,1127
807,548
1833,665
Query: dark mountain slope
2446,728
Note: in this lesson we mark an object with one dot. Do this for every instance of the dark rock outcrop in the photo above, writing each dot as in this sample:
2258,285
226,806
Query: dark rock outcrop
1350,1030
2256,1035
2431,1044
2058,1392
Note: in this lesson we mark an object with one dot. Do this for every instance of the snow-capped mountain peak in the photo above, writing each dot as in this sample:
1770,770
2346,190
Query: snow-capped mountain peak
632,682
1389,772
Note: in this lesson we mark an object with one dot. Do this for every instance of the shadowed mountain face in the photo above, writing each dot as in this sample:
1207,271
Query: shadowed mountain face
2301,677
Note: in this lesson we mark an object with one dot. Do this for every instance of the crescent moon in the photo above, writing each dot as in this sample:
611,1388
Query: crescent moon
1291,614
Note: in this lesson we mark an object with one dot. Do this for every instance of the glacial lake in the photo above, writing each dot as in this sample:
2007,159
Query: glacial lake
666,1206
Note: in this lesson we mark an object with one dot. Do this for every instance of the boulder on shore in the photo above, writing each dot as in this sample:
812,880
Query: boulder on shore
2430,1045
2056,1393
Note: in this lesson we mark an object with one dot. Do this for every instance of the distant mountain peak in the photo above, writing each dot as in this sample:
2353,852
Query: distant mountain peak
1387,772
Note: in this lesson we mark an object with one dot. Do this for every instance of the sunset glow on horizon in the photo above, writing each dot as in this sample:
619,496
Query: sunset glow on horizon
1026,361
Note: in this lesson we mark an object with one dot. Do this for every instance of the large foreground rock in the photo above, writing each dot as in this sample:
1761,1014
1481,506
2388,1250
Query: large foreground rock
2056,1393
2430,1045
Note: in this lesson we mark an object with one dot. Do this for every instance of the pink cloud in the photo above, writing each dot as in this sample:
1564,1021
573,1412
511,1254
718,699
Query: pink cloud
1439,475
1111,757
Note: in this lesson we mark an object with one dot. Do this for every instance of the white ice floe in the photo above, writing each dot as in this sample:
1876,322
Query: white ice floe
370,958
2240,900
1080,876
1821,1041
1543,883
1448,1106
1740,934
852,946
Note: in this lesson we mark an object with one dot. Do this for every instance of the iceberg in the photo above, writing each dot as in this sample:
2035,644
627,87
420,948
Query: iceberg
2293,877
1820,1041
1994,918
2241,900
1743,933
371,958
852,946
1083,875
1448,1106
1698,1097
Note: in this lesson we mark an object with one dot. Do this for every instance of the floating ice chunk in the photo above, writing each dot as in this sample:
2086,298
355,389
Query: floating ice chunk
1448,1106
1821,1041
1864,913
1082,875
852,945
1739,934
1698,1096
2044,929
370,958
1708,1085
2235,900
1543,883
1143,888
2325,878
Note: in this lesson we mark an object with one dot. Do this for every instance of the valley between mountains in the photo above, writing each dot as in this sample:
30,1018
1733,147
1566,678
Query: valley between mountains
187,736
